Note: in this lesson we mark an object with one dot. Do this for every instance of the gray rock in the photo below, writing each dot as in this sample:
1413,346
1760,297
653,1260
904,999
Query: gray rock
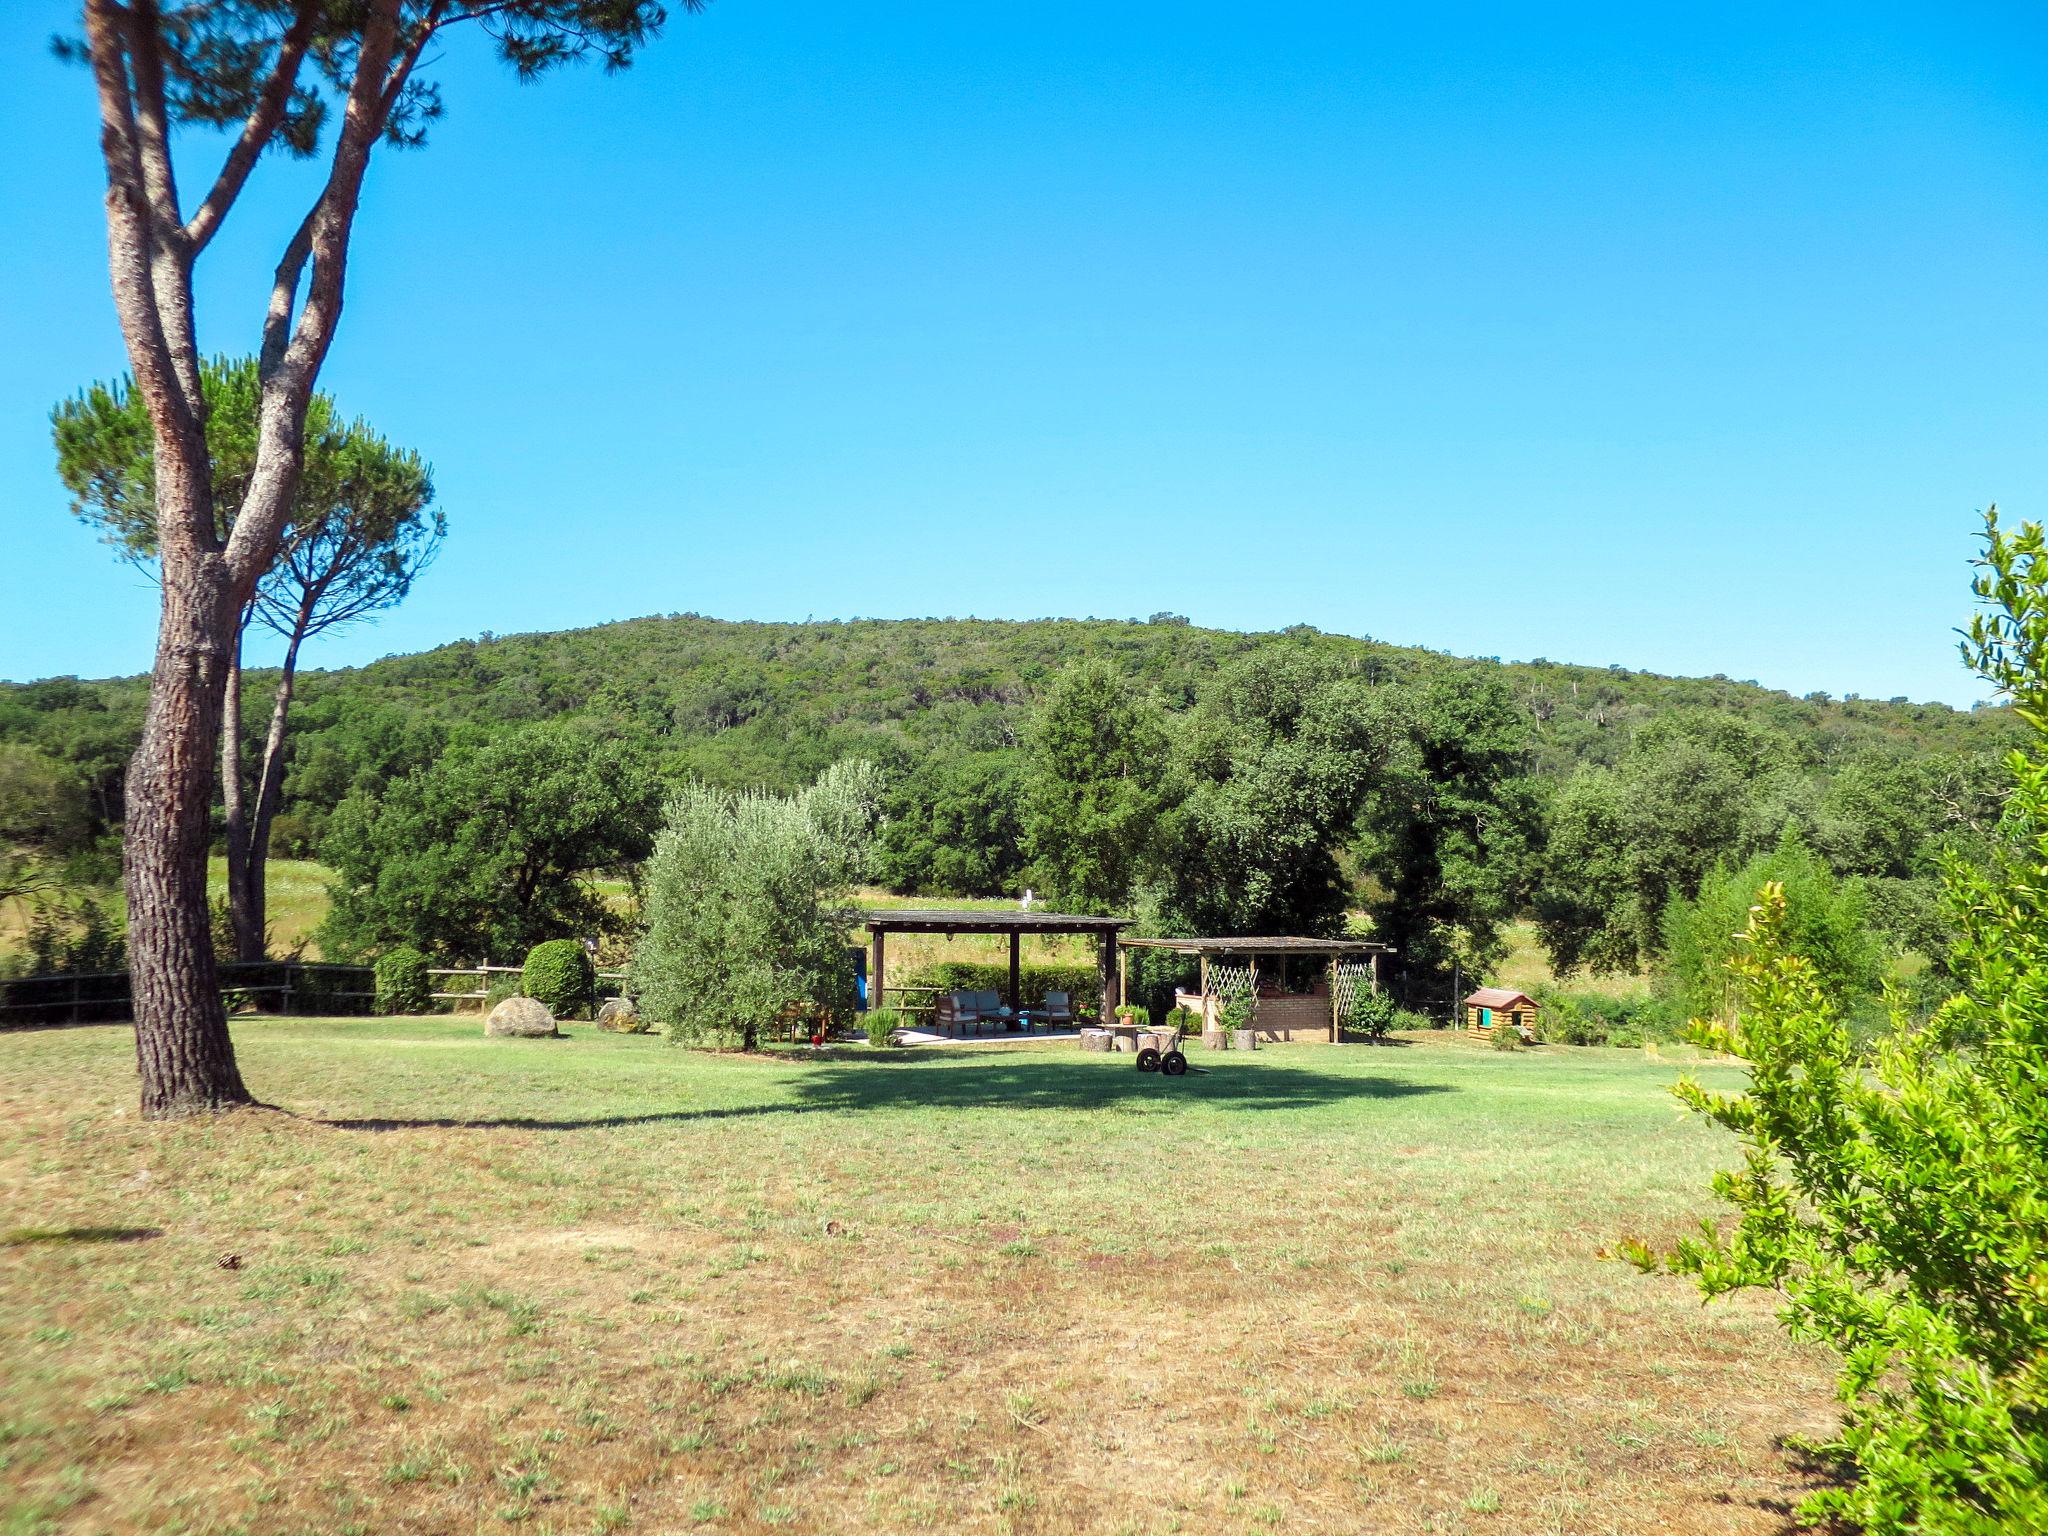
619,1014
521,1016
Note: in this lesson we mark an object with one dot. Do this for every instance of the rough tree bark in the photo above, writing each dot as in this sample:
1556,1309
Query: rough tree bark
216,55
185,1057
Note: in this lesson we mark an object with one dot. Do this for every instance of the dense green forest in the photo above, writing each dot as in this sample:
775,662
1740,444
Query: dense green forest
1260,779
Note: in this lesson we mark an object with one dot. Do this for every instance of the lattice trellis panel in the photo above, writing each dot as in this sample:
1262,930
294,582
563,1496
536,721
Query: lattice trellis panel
1353,976
1233,984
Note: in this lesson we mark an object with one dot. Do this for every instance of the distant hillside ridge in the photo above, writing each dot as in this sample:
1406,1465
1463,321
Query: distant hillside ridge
770,704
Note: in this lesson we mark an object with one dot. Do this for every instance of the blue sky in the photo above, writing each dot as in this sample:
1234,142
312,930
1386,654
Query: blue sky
1683,338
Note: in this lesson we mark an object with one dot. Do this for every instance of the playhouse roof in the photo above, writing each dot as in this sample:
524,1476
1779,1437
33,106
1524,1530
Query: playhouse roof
1499,997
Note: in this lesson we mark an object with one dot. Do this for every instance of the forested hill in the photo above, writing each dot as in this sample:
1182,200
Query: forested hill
771,704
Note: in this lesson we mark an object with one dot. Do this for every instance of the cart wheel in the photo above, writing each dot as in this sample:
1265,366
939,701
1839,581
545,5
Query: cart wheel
1173,1064
1148,1060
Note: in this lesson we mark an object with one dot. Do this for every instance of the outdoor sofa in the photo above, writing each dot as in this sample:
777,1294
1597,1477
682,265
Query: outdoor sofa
961,1013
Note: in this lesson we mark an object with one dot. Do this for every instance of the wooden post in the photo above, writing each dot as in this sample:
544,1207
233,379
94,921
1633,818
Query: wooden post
875,974
1016,955
1106,965
1336,1017
1208,1003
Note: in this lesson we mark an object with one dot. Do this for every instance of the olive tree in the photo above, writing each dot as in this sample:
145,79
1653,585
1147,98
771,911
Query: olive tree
746,906
271,73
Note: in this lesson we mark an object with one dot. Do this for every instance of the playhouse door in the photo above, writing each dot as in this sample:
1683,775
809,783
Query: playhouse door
1486,1018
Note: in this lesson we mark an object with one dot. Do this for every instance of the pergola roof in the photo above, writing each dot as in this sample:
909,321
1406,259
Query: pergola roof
984,920
1262,946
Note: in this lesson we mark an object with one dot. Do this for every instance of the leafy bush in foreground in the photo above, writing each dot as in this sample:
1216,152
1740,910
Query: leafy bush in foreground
559,973
1900,1205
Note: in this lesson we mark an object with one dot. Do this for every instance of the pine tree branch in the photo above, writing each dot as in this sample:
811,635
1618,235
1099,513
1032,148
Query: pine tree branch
258,130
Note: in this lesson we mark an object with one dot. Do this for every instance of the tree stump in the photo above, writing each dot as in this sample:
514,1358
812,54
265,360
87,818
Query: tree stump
1095,1039
1215,1040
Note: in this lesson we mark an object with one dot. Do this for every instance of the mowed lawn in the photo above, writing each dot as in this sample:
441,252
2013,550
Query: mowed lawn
603,1284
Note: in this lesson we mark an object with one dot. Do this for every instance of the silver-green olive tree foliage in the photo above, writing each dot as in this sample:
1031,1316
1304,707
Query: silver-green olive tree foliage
746,906
1899,1204
361,528
270,73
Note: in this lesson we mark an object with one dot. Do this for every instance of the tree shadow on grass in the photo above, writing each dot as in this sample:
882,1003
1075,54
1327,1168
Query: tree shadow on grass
933,1082
22,1237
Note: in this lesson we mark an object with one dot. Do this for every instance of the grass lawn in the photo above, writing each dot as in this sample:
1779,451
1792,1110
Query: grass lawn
602,1284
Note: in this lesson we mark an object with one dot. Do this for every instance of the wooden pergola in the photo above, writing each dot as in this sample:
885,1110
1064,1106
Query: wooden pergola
884,921
1250,950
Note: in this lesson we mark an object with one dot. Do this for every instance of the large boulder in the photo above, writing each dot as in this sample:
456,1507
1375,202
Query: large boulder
521,1016
619,1014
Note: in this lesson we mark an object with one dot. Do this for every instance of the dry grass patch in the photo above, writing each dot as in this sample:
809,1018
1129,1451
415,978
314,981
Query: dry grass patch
601,1284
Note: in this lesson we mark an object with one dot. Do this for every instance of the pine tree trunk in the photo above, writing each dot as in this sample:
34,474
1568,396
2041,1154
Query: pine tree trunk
270,787
182,1049
245,901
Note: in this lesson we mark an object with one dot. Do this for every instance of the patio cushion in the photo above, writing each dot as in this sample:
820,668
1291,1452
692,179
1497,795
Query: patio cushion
988,1002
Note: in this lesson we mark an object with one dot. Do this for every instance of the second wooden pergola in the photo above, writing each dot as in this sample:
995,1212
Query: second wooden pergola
1251,951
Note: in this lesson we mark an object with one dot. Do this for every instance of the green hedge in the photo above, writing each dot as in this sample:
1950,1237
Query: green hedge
560,974
402,984
1083,983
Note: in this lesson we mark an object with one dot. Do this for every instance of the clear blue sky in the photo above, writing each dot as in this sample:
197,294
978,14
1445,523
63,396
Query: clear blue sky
1688,338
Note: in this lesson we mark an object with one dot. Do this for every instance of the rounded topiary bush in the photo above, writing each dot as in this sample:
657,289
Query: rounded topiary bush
560,974
402,984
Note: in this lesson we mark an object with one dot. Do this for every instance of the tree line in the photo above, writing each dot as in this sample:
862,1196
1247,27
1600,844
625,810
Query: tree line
472,799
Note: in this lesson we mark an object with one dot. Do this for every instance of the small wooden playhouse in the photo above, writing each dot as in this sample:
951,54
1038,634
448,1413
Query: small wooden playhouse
1490,1007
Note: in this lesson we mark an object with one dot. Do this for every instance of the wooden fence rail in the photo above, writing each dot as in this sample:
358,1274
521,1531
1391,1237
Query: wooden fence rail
293,986
88,997
615,981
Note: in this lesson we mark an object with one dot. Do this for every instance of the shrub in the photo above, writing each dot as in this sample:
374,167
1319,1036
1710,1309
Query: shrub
1587,1018
1897,1200
1238,1013
882,1023
1371,1014
67,936
402,984
1504,1036
1185,1020
559,973
1134,1013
